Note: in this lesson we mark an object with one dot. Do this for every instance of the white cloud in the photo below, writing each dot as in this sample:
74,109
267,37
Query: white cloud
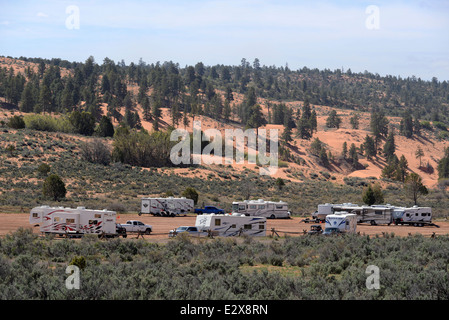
42,15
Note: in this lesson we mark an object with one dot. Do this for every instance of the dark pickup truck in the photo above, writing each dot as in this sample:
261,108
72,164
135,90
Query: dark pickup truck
209,209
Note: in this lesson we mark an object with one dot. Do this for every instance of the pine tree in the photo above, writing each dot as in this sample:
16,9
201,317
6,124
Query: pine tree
333,121
27,100
287,135
419,154
389,146
414,187
54,188
368,196
344,151
45,98
369,147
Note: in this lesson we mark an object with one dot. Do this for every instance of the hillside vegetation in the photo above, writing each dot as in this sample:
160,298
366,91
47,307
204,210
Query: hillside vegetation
334,126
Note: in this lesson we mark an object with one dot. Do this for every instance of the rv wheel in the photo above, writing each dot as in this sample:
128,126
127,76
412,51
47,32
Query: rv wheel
148,231
272,216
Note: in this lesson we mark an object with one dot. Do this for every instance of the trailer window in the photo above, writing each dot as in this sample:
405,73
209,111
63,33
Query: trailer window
261,206
56,219
233,226
93,221
242,207
218,222
247,226
252,206
261,226
35,215
70,220
279,207
97,216
377,212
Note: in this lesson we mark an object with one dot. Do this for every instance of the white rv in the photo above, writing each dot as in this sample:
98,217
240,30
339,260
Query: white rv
261,208
231,225
74,222
417,216
341,222
166,207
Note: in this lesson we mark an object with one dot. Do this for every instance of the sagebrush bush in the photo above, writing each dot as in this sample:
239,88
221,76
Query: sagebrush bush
329,268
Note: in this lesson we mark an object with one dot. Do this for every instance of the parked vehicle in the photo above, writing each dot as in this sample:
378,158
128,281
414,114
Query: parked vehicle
208,210
315,229
134,226
121,231
185,229
341,222
231,225
166,207
416,216
74,222
261,208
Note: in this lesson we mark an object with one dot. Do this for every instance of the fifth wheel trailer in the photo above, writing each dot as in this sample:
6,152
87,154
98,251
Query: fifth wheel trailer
74,221
166,207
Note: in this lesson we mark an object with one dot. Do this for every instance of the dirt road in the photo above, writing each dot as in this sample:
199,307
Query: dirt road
10,222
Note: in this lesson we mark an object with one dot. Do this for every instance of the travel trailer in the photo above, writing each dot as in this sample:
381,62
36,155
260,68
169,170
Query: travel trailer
74,222
226,225
166,207
341,222
417,216
261,208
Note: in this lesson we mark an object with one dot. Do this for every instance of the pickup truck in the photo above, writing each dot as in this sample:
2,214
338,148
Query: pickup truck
137,226
208,210
190,230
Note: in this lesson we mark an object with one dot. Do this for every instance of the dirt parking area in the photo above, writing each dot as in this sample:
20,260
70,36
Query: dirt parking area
9,222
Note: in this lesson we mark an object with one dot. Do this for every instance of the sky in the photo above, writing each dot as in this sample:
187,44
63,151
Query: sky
399,38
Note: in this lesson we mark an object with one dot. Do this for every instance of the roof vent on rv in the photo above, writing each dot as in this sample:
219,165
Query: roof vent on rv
81,208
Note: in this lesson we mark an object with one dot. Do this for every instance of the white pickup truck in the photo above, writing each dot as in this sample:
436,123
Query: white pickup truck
137,226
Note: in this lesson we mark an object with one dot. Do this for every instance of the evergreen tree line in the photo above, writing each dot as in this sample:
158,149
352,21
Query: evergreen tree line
210,90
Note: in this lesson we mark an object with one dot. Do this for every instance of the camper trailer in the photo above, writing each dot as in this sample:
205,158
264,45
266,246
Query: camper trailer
261,208
341,222
74,222
166,207
231,225
417,216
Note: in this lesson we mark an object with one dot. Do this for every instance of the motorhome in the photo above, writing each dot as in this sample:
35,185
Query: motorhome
341,222
166,206
231,225
262,208
374,215
74,221
417,216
